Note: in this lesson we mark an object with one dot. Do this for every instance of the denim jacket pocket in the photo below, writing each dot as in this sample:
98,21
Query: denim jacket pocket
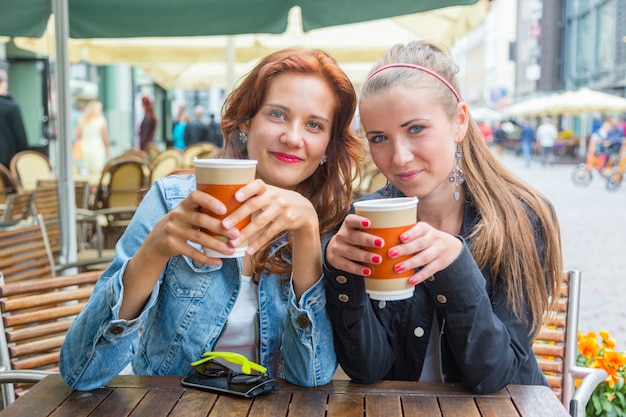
187,278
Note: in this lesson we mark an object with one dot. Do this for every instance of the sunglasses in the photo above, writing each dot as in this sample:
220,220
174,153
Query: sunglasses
207,366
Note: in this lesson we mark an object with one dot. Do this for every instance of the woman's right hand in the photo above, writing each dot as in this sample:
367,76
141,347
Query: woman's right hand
347,249
185,223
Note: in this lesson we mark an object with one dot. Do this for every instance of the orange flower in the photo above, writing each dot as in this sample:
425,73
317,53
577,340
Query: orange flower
606,339
588,345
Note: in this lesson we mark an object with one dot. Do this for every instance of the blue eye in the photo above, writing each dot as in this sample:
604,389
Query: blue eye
378,139
315,125
278,114
416,129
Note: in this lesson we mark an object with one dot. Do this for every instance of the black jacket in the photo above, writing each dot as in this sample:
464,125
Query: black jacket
482,343
196,132
12,133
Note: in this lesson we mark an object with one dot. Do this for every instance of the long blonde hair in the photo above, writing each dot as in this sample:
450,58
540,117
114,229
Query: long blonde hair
93,110
526,260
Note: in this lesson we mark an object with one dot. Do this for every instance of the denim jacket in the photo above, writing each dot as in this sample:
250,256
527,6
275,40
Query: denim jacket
188,311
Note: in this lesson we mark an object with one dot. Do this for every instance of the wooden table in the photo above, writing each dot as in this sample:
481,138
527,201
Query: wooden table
139,396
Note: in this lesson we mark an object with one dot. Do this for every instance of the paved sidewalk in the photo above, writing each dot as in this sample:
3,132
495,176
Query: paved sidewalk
593,233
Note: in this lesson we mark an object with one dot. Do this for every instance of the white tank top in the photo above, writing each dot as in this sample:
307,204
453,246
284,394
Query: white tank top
241,329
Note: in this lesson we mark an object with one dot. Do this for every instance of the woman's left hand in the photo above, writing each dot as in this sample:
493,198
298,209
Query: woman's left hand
432,249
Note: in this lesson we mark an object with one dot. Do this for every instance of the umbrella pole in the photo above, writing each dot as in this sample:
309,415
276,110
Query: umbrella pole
65,175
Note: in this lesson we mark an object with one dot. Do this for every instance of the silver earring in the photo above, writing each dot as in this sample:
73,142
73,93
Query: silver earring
323,160
243,137
456,176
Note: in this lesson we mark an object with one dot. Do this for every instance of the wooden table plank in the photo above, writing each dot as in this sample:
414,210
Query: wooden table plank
421,406
308,403
119,403
345,405
194,403
272,404
383,406
453,406
496,407
231,406
157,403
536,401
82,402
50,391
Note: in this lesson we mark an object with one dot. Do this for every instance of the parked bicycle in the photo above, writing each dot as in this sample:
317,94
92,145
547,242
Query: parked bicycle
602,164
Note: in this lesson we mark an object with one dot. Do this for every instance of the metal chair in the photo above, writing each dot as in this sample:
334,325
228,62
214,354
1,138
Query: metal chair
556,346
29,166
36,315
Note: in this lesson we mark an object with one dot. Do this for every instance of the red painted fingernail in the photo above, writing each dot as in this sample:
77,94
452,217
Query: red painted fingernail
413,281
366,272
404,237
398,268
376,259
393,253
365,223
378,242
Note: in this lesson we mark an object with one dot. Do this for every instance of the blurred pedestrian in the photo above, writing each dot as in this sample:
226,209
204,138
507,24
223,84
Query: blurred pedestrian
147,128
12,133
215,132
546,136
527,139
178,133
92,138
499,138
196,131
485,131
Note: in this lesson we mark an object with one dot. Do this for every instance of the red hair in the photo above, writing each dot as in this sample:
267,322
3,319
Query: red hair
330,187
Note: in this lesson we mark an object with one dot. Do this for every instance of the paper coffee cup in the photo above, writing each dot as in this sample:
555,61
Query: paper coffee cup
389,217
221,178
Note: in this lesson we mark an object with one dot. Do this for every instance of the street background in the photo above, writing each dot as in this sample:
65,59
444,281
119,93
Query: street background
593,234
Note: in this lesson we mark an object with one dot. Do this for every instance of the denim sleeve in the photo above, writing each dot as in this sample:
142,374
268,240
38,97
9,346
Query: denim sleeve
307,346
98,344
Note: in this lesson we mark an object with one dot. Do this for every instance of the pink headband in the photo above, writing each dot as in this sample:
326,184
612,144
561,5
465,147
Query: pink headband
420,68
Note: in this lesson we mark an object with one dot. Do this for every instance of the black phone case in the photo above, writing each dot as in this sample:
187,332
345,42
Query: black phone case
221,385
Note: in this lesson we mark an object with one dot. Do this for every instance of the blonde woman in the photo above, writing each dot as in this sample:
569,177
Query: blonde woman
93,138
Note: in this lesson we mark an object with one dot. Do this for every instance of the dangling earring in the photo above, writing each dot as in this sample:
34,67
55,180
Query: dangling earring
323,160
456,176
243,137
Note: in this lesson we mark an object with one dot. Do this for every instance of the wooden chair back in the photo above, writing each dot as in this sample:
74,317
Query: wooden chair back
28,167
555,345
18,208
46,203
36,315
8,184
25,253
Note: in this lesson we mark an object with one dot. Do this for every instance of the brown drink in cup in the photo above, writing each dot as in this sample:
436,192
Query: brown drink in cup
389,218
221,178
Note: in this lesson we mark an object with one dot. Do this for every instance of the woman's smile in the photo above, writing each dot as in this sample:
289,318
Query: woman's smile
287,158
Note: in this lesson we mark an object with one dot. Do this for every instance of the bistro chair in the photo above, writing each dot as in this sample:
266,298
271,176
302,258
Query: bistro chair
8,184
29,166
25,253
17,208
165,163
199,150
556,345
122,186
36,315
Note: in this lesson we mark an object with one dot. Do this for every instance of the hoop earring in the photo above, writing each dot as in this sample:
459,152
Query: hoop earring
456,176
323,160
243,137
